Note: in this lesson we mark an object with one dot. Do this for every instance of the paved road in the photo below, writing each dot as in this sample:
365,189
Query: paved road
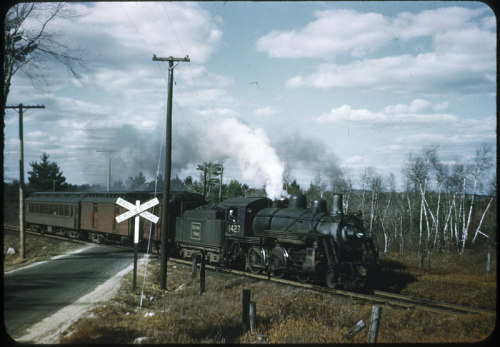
34,293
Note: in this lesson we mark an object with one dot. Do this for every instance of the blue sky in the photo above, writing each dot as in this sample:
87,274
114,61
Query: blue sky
311,85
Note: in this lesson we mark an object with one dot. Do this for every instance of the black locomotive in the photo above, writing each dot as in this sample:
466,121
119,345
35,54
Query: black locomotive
281,238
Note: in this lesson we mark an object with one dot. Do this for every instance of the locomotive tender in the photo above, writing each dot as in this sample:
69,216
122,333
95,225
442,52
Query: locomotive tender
280,238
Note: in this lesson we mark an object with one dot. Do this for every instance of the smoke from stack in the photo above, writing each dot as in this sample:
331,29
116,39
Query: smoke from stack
310,156
221,139
257,160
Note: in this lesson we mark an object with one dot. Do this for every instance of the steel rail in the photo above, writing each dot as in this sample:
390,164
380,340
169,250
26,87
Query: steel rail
378,297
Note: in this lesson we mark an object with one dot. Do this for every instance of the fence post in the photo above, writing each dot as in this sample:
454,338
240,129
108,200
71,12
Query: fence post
349,334
374,324
488,264
194,267
252,314
202,273
429,261
421,264
245,303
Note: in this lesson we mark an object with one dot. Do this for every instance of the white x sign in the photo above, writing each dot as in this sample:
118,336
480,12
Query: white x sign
137,210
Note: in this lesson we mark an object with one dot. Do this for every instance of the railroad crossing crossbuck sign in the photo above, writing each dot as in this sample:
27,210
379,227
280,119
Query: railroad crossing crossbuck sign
137,210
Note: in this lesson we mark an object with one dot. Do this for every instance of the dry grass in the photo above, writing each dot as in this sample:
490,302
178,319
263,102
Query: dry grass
285,314
451,278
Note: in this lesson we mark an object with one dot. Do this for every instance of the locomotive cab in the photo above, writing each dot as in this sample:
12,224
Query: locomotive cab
240,212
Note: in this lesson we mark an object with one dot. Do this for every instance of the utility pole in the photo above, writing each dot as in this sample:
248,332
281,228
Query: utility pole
109,166
220,183
168,164
22,242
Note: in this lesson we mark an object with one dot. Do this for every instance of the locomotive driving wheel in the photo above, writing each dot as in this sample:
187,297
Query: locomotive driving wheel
331,279
256,260
278,262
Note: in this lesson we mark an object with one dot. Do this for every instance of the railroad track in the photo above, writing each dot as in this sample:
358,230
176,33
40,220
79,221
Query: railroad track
63,238
378,297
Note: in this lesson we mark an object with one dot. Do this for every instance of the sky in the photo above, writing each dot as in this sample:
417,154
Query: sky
306,87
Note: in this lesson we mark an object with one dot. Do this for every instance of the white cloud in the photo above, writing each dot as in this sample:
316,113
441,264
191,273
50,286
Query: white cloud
266,111
425,73
462,58
346,113
137,27
333,32
416,106
418,112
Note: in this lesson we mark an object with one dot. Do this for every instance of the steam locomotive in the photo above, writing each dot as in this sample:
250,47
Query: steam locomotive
279,238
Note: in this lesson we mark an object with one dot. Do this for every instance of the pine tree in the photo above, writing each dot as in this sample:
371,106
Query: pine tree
46,176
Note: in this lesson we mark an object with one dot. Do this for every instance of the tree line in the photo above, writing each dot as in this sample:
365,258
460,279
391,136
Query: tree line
441,207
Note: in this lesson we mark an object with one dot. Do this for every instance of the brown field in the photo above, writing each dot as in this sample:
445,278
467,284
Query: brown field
286,314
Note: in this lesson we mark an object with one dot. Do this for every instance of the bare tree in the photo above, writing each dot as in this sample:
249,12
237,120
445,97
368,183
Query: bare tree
30,42
482,162
418,171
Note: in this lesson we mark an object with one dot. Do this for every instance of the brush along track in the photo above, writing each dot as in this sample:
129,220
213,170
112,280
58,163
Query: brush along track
377,297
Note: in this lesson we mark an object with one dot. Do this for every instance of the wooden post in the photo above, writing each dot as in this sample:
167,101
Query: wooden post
245,303
168,164
134,282
421,264
429,261
374,324
136,241
22,240
252,315
202,273
488,264
194,266
349,334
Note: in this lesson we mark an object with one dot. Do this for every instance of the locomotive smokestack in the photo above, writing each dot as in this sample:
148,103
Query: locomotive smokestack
337,203
280,203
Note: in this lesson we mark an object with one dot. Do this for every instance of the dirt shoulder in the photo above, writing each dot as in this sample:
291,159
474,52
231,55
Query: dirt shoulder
38,248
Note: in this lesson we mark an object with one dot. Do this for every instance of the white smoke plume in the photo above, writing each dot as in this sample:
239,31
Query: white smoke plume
250,149
221,138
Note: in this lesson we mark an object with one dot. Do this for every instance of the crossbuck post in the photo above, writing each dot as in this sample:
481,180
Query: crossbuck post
137,210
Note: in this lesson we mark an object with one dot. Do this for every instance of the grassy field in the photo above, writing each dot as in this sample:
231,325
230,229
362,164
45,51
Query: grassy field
284,314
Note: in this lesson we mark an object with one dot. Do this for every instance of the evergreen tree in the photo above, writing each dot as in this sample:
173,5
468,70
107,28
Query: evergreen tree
235,189
46,176
137,182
